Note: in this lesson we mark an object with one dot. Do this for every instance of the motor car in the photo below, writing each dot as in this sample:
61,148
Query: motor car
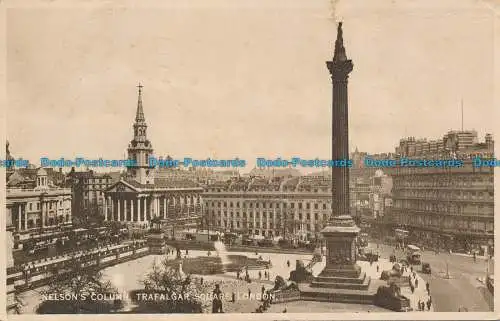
426,268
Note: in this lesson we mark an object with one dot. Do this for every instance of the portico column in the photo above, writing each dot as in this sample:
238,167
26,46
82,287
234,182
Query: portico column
119,215
158,213
157,206
139,214
144,210
125,214
105,208
164,207
42,206
19,217
25,218
112,201
132,208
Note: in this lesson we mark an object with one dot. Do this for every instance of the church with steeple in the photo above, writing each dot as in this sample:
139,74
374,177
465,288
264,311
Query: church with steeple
142,196
140,148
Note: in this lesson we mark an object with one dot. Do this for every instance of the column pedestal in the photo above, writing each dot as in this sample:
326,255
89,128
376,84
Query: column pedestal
342,279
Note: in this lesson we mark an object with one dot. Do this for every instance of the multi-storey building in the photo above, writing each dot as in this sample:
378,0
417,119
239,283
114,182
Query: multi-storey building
450,207
88,192
296,207
38,208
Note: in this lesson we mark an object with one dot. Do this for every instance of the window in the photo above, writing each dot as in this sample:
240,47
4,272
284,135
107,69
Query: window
30,206
315,206
293,205
308,206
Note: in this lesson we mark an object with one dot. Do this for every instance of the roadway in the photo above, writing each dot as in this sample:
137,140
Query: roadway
461,289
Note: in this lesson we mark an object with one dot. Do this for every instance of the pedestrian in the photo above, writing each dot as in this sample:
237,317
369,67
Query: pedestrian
288,263
416,282
238,275
233,297
377,268
429,304
428,287
411,268
249,293
260,275
412,288
262,290
201,281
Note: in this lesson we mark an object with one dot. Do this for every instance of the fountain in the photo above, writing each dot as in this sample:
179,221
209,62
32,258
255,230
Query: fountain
221,250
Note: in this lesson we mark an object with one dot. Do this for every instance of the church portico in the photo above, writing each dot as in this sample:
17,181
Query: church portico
129,204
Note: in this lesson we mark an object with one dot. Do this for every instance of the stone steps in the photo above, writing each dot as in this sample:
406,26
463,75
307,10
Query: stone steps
335,279
342,273
350,286
339,297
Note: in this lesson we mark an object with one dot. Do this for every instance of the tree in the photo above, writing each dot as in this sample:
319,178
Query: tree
80,289
184,293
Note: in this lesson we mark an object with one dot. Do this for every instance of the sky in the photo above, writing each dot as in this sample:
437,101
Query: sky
226,79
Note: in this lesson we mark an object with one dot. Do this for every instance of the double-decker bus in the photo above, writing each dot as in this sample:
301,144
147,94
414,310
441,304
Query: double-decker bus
413,254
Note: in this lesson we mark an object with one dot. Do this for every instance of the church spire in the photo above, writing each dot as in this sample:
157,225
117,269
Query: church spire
139,117
339,54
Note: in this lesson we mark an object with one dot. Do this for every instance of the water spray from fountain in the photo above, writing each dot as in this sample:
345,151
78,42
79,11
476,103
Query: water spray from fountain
221,250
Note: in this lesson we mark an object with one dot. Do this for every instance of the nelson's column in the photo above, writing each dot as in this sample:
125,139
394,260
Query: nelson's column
341,279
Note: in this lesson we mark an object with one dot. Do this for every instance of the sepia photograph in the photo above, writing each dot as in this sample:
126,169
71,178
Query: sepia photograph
253,156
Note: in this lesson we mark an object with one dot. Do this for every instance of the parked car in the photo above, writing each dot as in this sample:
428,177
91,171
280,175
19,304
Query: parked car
426,268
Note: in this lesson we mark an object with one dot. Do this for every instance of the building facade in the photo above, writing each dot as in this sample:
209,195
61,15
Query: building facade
449,207
88,193
292,208
38,210
141,196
